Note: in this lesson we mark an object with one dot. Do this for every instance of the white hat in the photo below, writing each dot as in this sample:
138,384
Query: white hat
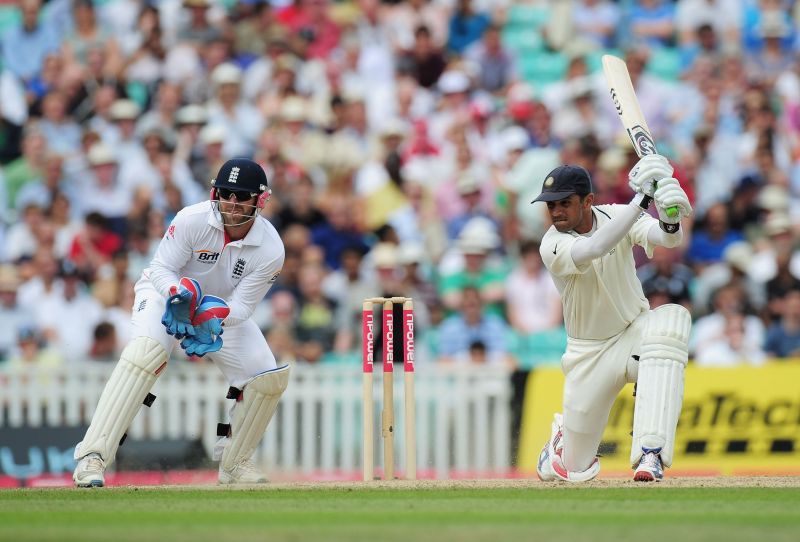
478,236
514,138
293,110
394,127
213,133
191,114
100,154
777,223
468,183
384,255
453,81
773,198
739,255
124,110
226,73
410,252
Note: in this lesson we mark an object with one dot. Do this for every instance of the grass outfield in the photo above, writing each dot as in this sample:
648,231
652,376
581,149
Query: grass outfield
418,513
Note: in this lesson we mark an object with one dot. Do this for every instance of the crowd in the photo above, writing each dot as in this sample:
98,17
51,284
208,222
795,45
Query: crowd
403,142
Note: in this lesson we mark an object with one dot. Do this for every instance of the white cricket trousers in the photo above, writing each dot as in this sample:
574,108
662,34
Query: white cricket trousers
595,372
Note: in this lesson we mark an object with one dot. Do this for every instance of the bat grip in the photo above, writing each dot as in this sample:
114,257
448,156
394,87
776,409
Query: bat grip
672,212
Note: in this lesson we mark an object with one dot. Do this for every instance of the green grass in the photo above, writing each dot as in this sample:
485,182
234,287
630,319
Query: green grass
343,514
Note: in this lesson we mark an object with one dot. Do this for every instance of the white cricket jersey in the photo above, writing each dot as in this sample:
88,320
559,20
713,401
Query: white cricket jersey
602,297
240,272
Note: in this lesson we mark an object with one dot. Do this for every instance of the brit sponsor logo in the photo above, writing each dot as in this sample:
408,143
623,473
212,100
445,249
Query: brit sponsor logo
409,337
207,256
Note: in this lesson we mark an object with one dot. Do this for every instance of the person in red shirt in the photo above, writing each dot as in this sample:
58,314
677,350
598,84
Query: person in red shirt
94,245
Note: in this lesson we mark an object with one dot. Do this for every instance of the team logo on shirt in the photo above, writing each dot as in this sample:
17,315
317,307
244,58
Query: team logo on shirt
238,269
207,256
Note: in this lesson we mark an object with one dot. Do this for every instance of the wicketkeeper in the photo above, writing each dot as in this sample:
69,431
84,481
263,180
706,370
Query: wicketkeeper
215,263
614,337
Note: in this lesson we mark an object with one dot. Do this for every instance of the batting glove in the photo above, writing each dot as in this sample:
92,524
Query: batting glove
648,171
207,323
670,194
181,306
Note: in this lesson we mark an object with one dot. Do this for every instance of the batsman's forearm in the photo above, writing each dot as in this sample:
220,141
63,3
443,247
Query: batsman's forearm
586,249
658,236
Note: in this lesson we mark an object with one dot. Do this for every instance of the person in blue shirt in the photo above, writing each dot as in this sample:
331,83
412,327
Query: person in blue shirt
466,27
471,335
25,46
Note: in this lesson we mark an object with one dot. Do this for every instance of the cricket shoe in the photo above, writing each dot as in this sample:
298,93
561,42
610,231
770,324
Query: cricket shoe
650,468
550,466
243,473
89,472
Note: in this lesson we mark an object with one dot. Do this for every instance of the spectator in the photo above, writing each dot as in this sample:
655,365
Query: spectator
423,61
25,46
712,236
12,315
783,336
466,27
665,273
472,335
495,64
532,300
32,350
105,346
653,23
716,337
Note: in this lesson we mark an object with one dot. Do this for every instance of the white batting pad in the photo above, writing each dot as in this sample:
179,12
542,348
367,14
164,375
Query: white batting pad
659,388
252,415
141,363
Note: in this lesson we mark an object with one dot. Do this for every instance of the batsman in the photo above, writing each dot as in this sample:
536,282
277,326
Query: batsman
227,249
613,335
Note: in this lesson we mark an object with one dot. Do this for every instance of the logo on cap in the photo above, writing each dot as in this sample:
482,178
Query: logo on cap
549,181
234,175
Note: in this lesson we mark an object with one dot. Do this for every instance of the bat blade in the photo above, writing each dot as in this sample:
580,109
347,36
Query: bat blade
627,105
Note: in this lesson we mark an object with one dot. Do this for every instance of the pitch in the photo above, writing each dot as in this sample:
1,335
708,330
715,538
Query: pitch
729,509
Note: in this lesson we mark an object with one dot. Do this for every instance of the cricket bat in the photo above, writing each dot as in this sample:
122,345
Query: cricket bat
630,113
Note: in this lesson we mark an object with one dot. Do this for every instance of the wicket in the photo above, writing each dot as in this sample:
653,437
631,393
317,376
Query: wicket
387,415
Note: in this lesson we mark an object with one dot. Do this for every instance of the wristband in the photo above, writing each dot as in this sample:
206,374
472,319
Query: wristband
669,228
642,200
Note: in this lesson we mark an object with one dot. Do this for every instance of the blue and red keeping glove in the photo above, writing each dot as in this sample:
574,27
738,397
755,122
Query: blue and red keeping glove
207,324
181,307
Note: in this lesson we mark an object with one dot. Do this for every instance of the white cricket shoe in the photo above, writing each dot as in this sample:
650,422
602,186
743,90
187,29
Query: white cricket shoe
650,468
243,473
553,447
550,466
89,472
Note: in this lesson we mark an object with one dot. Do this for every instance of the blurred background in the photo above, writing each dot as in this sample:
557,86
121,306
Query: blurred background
403,141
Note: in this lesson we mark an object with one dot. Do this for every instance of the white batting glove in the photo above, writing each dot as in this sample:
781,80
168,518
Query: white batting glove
669,194
647,172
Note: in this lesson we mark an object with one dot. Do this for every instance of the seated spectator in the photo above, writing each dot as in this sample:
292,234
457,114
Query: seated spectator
475,245
666,273
731,346
653,22
105,346
466,26
532,299
93,246
783,336
316,322
466,335
424,62
495,64
12,315
32,350
715,338
711,237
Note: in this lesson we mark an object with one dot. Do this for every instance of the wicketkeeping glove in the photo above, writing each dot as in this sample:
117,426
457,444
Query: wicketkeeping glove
647,172
207,323
181,306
